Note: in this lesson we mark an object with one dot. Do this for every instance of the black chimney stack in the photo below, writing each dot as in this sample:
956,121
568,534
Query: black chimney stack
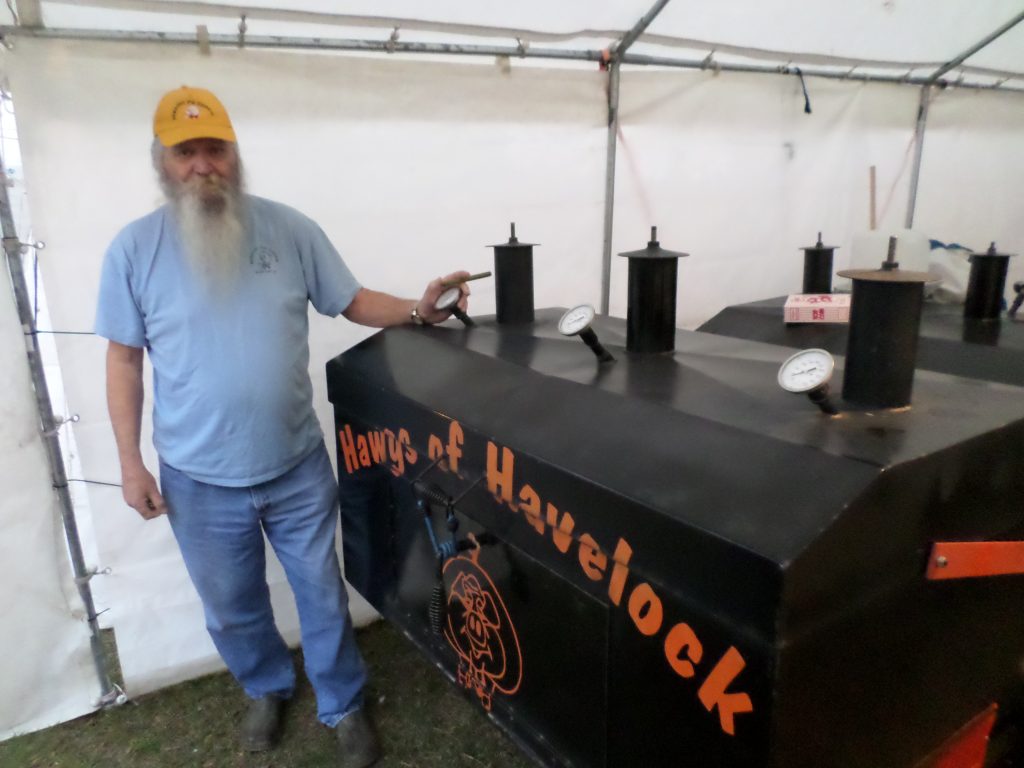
513,280
885,317
651,314
818,267
986,285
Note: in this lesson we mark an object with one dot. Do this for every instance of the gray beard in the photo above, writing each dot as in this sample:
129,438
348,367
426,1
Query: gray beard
212,233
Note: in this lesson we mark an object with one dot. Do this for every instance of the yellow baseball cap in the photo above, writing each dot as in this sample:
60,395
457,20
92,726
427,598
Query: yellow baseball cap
191,113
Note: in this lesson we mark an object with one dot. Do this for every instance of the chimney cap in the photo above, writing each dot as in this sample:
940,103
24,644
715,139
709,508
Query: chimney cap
654,250
992,253
513,241
818,246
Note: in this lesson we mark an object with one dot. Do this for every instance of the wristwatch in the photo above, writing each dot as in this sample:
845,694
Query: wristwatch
417,318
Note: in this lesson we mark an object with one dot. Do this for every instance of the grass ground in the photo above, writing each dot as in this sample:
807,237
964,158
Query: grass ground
423,721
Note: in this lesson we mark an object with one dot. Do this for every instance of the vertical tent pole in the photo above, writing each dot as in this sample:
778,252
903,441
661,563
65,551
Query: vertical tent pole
49,427
922,110
915,173
614,64
609,182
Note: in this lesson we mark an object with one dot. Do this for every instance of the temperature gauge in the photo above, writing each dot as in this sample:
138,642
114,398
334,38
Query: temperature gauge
576,322
449,300
809,372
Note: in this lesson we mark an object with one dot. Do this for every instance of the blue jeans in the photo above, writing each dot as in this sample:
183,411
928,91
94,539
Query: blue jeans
220,533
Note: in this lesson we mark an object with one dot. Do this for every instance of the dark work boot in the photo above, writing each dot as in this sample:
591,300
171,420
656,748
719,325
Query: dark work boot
262,723
357,743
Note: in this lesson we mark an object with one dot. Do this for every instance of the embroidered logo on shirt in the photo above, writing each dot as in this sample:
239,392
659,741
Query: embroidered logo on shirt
263,260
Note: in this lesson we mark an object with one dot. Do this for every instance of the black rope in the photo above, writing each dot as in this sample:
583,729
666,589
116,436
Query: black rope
92,482
60,333
803,85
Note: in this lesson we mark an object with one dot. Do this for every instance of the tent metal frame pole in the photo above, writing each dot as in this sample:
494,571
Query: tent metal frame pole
922,110
609,183
958,60
615,54
9,33
767,69
915,171
49,426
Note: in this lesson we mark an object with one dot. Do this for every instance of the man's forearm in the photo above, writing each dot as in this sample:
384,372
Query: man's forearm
124,403
379,310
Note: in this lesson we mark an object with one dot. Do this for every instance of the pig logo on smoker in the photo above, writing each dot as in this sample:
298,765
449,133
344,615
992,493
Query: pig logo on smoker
480,631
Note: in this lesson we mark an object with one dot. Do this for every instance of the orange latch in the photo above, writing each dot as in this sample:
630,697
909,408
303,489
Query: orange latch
967,559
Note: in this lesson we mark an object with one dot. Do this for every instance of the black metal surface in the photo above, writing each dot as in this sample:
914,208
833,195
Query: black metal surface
947,343
651,311
818,267
986,285
752,546
513,280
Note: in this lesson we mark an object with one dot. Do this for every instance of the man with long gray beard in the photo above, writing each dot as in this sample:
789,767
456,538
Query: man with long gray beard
215,285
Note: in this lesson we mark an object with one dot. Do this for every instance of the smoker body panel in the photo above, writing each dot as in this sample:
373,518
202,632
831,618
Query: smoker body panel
726,541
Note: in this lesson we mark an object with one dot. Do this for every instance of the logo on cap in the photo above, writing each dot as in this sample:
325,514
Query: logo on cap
192,112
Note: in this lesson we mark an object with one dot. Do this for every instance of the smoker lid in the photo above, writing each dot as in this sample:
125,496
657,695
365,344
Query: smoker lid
889,276
538,392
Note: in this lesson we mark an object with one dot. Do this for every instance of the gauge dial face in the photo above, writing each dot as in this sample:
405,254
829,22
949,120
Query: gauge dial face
576,320
806,370
449,298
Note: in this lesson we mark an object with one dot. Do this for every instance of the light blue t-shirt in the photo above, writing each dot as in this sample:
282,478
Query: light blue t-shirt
233,403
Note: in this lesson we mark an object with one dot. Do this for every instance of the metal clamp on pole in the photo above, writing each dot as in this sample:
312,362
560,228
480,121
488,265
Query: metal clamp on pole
86,577
60,421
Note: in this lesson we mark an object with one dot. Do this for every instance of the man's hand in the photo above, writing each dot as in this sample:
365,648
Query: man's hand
425,306
141,493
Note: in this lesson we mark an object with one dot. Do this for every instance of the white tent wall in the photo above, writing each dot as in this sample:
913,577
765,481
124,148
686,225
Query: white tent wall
45,661
410,167
971,173
733,171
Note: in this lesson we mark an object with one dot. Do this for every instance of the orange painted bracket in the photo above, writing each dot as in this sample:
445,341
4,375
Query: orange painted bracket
969,559
967,747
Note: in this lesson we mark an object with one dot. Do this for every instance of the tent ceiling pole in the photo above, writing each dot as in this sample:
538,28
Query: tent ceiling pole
382,46
205,9
765,69
915,172
953,63
29,13
49,428
638,29
616,53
